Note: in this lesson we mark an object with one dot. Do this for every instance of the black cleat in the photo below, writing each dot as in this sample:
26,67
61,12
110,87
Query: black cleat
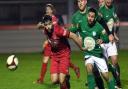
68,81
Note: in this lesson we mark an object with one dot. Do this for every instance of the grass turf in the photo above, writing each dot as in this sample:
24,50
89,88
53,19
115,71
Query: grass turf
29,69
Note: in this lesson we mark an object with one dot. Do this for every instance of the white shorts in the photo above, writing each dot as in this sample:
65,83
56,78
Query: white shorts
109,49
100,63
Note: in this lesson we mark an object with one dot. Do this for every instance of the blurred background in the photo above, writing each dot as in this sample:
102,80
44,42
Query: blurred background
18,19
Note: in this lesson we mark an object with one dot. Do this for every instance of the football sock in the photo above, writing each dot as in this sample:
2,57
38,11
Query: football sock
76,69
116,75
111,84
72,66
110,68
117,68
91,81
43,71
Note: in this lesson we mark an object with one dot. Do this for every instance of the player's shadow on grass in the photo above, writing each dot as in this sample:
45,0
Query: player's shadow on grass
124,83
50,86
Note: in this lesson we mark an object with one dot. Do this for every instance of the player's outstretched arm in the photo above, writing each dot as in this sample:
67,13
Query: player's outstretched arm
77,40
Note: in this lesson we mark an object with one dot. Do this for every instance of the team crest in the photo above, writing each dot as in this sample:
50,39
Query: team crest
89,43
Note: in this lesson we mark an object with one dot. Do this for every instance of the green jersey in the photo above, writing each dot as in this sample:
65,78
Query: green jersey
80,24
77,18
90,34
108,13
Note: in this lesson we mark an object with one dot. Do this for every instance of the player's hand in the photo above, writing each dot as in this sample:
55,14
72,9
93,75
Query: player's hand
40,25
99,41
111,38
84,48
45,43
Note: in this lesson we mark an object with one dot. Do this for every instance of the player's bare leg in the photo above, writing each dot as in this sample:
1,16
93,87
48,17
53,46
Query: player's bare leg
75,68
55,78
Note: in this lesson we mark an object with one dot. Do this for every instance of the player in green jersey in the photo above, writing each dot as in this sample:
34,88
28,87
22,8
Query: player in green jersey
108,12
110,50
76,19
93,34
83,10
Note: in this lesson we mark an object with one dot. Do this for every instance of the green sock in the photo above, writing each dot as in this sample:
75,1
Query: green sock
113,71
110,68
111,84
116,73
91,81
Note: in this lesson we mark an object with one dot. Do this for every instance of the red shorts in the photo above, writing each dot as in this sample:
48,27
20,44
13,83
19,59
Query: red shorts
47,50
60,64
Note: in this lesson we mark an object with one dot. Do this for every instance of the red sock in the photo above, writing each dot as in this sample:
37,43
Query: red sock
43,71
72,65
75,68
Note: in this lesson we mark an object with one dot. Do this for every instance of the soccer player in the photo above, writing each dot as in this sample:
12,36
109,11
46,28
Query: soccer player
77,17
60,50
110,50
56,19
93,34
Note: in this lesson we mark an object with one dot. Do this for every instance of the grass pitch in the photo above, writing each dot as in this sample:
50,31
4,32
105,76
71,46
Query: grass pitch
30,65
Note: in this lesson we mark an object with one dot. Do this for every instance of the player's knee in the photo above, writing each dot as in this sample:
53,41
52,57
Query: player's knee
55,81
106,76
54,78
114,60
61,81
89,68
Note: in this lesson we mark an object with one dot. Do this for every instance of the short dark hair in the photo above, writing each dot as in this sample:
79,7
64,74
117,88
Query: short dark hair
46,18
93,10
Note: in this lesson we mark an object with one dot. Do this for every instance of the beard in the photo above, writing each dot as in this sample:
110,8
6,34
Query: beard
91,24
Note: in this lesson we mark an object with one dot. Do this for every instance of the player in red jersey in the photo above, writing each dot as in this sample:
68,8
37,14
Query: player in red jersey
56,19
60,50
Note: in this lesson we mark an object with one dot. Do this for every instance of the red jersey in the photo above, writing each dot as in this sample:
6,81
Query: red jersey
58,40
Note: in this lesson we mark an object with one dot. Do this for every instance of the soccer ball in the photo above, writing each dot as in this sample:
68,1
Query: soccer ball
12,62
